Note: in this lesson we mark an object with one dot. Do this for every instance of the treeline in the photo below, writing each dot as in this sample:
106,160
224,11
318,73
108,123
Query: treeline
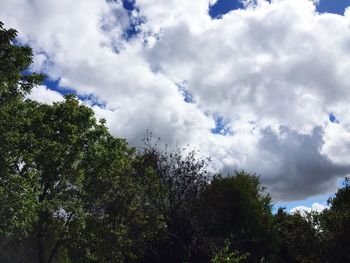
71,192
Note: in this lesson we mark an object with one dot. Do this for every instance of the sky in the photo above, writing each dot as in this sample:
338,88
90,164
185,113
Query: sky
256,85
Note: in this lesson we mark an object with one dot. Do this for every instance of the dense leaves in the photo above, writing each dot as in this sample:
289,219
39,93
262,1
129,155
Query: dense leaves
236,208
335,225
298,238
71,192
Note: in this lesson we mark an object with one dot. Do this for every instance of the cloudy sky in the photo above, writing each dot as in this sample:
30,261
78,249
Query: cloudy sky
257,85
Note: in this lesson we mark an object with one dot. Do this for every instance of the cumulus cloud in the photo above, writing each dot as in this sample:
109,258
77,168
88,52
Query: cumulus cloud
316,207
44,95
272,73
298,164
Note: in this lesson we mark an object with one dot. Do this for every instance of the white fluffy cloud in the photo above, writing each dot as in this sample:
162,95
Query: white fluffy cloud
316,207
272,73
45,95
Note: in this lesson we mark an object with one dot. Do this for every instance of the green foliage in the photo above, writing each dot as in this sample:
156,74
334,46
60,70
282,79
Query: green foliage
236,207
341,200
299,238
227,256
69,176
335,225
14,84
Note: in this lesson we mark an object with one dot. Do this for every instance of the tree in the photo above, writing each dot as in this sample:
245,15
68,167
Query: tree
16,211
299,238
118,225
66,188
63,154
236,208
335,225
173,182
14,85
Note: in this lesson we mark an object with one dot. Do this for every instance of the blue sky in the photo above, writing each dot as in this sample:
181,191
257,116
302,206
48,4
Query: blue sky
333,6
224,6
89,98
321,199
325,6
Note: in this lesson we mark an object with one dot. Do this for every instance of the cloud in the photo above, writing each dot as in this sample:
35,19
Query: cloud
272,73
45,95
299,166
316,207
282,53
337,143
